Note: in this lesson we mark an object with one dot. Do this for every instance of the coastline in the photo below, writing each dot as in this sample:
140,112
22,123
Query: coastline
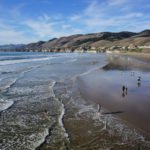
55,103
90,85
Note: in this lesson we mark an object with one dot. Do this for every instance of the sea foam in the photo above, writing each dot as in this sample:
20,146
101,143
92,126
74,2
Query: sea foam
5,104
9,62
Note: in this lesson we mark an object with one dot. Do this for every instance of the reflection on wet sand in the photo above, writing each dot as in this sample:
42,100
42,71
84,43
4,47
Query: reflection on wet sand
117,62
119,93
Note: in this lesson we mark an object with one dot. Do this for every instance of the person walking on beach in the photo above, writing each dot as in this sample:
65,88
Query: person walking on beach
123,88
139,81
124,91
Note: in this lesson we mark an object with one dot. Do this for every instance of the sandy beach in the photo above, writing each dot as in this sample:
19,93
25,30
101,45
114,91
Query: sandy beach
55,102
139,56
105,88
123,120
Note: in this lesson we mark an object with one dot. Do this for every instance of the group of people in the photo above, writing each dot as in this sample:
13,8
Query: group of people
125,89
139,81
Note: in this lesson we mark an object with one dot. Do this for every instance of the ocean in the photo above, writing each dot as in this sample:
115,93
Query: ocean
44,103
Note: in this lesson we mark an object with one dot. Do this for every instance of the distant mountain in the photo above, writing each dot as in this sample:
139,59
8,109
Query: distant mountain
97,40
145,33
35,46
11,47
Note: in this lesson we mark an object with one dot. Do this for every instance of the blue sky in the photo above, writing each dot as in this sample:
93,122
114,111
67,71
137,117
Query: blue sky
25,21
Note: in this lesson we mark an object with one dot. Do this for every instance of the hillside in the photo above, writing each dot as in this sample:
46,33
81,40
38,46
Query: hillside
98,41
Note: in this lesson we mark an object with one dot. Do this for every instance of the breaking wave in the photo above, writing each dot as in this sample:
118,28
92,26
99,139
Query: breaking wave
9,62
5,104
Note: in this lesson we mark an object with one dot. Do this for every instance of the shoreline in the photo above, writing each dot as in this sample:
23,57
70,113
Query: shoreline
94,93
140,56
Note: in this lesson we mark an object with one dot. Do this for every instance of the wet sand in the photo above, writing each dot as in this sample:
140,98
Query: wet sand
104,87
56,104
139,56
88,129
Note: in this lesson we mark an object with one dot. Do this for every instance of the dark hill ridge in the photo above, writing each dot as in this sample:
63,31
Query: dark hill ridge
103,39
145,33
85,41
37,45
76,41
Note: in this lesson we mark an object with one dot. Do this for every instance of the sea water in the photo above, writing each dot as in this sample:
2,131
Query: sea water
41,106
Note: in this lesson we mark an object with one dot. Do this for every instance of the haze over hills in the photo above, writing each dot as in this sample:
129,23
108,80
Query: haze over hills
11,46
102,40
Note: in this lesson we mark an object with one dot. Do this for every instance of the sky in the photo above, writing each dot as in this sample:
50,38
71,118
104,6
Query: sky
26,21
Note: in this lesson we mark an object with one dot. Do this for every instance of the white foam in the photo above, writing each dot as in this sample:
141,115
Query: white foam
70,61
41,138
5,104
51,85
85,109
91,70
8,83
60,119
61,116
9,62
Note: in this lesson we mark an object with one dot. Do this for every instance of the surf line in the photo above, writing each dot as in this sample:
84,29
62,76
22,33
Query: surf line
59,122
62,108
45,139
61,116
61,119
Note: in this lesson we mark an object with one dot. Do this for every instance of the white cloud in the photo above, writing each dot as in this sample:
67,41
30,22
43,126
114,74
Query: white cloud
93,9
75,18
97,16
11,36
32,30
47,27
16,10
66,26
40,28
111,15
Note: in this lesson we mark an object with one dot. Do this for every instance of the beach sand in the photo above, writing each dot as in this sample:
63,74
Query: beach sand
105,88
124,121
139,56
134,103
56,105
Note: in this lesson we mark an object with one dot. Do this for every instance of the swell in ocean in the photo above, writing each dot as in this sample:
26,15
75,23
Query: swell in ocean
7,83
